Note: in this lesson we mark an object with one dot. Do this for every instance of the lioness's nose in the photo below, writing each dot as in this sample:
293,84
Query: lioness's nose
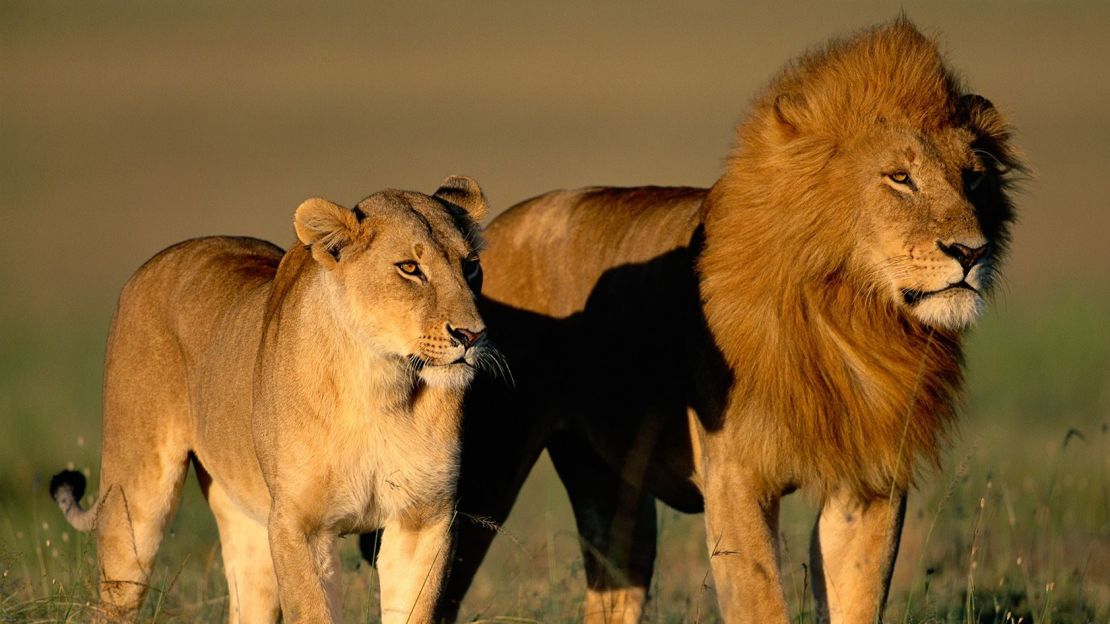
966,256
465,336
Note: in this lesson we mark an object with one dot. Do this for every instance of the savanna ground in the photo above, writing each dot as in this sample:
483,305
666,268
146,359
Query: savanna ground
124,128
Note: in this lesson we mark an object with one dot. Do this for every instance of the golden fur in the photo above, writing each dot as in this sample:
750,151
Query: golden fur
804,222
317,392
791,327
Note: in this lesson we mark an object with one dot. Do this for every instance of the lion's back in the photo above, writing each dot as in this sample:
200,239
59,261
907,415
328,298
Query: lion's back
546,254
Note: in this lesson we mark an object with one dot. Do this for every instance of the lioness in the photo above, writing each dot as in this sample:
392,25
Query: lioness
798,325
317,392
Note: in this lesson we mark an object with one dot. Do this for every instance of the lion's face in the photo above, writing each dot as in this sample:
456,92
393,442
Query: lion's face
932,225
898,175
406,275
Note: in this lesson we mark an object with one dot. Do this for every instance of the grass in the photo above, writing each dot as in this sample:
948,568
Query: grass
1016,527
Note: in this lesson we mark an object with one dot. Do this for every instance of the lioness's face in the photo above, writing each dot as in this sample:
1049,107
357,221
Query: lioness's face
934,222
407,281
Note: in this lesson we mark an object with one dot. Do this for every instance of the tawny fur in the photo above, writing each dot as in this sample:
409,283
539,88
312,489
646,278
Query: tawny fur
794,326
317,391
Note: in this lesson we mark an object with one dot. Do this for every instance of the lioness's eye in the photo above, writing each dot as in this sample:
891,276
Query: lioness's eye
899,177
409,267
472,270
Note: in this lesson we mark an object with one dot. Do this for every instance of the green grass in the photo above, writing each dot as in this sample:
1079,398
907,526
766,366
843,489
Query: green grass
1016,527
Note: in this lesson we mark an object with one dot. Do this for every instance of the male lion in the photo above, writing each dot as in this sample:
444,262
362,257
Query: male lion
317,392
797,325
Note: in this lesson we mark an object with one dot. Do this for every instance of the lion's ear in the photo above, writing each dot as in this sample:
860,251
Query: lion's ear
979,115
325,227
465,193
791,112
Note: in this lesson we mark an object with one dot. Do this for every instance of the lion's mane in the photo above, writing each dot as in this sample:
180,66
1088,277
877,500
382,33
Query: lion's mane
841,388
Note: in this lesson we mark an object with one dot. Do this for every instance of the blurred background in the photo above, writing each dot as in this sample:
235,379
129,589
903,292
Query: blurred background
128,126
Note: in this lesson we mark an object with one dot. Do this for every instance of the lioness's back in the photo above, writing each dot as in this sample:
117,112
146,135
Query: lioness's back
202,267
188,288
198,289
184,337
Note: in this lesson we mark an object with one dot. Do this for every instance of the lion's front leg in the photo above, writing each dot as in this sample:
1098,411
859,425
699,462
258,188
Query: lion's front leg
302,563
741,520
853,550
412,566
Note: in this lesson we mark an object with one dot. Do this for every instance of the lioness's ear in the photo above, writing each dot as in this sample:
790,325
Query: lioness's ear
791,110
325,227
465,193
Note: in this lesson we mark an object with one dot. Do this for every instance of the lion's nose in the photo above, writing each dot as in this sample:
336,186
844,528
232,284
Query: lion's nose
465,336
966,256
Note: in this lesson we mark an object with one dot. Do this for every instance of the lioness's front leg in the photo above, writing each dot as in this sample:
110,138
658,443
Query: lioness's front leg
852,553
301,562
741,521
412,565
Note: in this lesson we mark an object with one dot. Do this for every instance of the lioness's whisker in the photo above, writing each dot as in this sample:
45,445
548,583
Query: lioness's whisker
493,361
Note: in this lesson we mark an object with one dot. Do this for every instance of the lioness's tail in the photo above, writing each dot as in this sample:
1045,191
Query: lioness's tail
66,488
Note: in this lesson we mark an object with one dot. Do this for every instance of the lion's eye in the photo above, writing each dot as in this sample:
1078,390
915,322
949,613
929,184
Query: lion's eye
972,179
899,177
471,267
409,267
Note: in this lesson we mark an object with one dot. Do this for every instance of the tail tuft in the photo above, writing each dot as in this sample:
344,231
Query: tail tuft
66,488
67,482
